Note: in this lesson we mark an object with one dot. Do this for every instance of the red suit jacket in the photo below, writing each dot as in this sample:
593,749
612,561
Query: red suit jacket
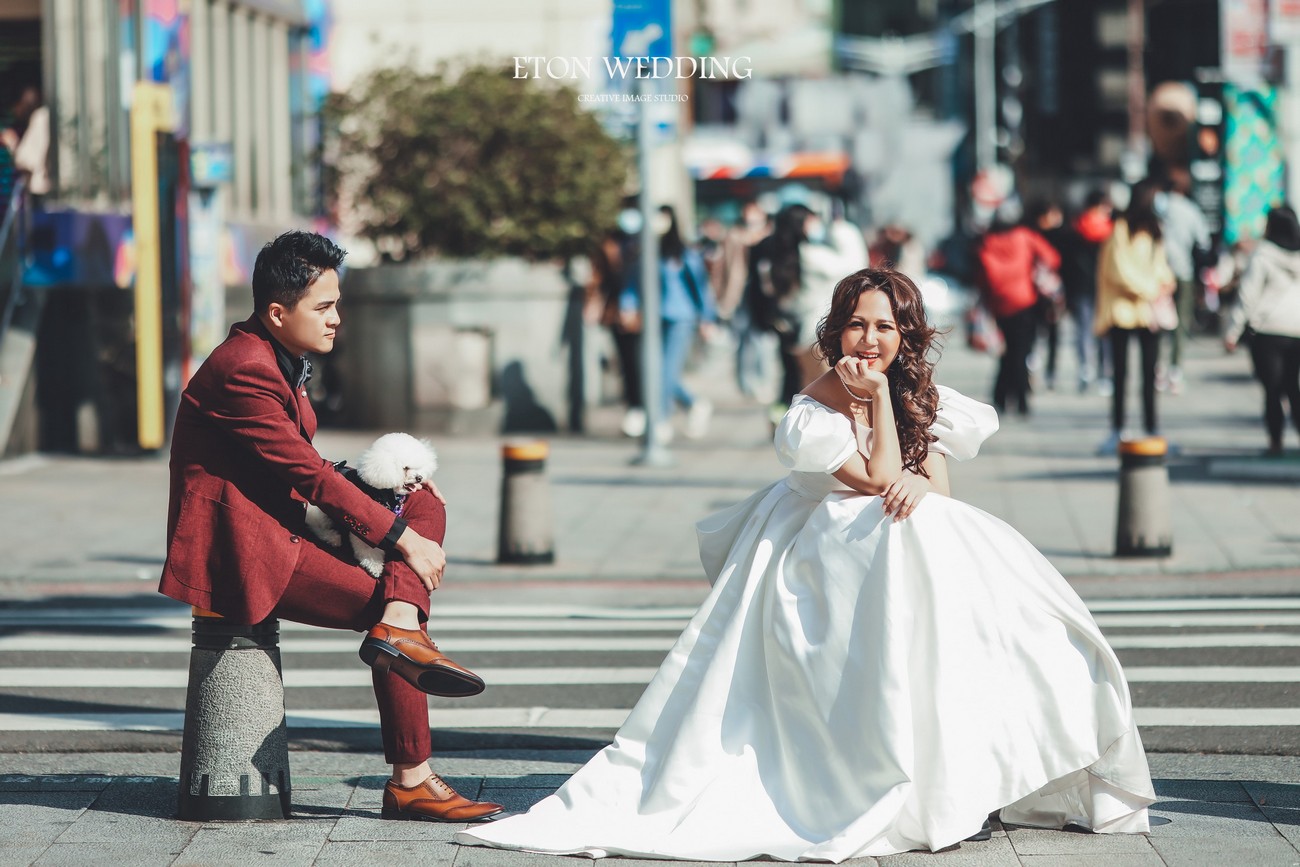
242,469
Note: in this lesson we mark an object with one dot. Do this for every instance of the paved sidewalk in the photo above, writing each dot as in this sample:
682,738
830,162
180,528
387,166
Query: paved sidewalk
112,808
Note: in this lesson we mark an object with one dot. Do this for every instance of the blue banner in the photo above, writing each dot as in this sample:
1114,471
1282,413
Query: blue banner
641,28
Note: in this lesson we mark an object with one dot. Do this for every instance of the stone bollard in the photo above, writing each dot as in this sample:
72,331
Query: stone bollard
1143,527
235,752
525,530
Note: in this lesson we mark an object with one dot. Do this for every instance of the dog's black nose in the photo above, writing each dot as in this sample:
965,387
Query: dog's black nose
418,478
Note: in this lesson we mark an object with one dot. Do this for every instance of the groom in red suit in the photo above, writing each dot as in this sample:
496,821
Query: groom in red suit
243,469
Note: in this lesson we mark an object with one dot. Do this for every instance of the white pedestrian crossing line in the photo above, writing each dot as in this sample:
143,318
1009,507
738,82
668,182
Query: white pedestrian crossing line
1203,717
605,719
359,676
312,678
348,644
1172,619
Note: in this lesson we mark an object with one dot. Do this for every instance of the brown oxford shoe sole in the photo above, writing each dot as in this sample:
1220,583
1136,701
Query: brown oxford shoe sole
436,678
393,814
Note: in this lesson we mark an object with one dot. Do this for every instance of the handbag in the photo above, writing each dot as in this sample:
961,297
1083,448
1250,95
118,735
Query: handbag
1164,313
982,332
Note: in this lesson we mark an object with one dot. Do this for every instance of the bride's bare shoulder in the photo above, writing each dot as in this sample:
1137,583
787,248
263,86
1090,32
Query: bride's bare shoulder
827,390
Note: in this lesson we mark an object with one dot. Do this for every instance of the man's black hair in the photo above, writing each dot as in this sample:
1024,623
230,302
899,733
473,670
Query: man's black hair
288,265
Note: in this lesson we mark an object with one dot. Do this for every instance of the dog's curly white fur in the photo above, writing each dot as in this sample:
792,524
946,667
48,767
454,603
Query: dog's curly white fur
395,462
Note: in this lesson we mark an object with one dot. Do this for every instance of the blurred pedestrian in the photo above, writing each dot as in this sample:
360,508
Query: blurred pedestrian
793,273
1269,304
894,246
611,260
772,289
1187,246
687,308
1048,220
1008,255
1135,289
756,347
28,141
1080,246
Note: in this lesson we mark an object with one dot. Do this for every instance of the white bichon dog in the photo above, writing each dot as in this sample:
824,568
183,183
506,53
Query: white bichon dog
393,467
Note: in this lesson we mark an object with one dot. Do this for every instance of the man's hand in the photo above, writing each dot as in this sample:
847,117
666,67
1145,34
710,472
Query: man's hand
425,557
904,494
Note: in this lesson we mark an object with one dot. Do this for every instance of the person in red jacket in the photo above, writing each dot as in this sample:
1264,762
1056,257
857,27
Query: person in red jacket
1007,256
243,468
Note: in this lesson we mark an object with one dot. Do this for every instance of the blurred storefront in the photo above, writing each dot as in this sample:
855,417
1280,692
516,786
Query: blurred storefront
231,92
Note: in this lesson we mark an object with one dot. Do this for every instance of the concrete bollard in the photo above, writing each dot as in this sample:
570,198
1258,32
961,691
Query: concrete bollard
235,751
1143,527
525,530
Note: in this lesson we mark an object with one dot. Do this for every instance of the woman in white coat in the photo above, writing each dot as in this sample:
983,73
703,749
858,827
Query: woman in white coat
1270,306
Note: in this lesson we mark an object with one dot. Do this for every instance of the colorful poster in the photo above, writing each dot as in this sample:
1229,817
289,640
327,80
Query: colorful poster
1254,165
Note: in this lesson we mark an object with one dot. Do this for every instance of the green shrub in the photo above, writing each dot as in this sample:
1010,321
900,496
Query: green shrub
479,164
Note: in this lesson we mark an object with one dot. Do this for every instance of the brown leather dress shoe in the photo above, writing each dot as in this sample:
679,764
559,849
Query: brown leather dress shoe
410,654
434,801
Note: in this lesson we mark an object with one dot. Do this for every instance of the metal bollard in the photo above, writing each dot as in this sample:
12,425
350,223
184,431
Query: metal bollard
1143,527
525,530
235,751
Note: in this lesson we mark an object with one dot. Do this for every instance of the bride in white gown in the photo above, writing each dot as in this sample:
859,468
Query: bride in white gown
878,666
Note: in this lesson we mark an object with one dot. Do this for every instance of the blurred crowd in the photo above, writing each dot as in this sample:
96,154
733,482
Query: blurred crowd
1114,281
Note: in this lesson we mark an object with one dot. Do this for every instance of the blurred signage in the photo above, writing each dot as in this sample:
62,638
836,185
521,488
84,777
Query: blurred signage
1284,21
642,28
1205,161
212,163
1244,25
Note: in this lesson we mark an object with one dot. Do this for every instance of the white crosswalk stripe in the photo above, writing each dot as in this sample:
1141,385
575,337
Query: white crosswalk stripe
514,647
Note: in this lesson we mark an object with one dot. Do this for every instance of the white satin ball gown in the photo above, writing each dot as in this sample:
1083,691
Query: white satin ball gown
855,685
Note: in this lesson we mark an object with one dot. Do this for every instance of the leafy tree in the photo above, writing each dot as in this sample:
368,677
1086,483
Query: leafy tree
478,164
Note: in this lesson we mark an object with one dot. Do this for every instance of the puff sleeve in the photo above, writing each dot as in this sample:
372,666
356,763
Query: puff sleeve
814,439
962,424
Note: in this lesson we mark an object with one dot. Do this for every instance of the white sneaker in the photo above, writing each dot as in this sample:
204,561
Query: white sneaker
664,432
634,422
698,417
1105,387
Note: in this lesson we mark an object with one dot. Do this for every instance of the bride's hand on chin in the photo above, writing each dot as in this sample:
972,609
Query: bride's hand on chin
861,379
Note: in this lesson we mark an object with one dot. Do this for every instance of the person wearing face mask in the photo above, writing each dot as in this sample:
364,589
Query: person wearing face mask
687,308
1187,243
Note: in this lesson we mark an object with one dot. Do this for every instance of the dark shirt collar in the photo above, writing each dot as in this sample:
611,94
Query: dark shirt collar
297,371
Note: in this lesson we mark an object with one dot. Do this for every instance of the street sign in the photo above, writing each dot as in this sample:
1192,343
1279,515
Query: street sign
642,28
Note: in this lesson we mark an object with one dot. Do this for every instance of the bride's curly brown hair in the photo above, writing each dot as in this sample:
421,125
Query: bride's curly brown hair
911,375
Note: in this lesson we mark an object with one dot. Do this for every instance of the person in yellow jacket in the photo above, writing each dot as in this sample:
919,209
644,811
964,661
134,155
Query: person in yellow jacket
1135,289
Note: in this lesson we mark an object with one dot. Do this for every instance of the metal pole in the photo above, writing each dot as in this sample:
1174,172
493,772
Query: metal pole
1137,82
654,452
986,84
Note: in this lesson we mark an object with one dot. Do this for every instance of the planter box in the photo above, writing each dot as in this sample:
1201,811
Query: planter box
459,347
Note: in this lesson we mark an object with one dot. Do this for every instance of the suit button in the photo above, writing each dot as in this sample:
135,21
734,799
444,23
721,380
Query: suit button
293,539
